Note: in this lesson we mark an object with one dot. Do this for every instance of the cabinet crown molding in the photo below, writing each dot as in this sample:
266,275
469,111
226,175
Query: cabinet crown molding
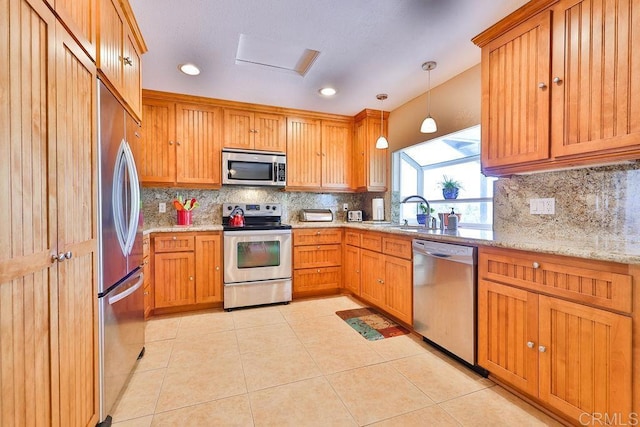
512,20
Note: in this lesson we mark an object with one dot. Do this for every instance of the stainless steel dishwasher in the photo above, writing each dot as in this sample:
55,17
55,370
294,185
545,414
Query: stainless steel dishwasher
444,296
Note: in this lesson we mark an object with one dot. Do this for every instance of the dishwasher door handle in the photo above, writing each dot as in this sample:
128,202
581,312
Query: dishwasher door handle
436,254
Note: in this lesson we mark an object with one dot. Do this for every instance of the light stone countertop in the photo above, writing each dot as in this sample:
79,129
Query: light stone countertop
588,247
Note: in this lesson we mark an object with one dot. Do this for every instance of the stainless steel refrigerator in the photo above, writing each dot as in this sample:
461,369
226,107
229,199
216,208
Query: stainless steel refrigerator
120,288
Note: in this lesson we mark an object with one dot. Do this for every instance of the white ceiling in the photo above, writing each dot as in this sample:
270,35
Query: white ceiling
366,47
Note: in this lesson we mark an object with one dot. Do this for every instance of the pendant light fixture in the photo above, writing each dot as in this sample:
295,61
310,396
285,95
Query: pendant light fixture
429,125
382,142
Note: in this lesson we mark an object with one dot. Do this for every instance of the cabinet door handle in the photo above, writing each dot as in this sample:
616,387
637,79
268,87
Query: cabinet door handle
127,60
54,258
318,271
170,142
542,85
146,293
542,349
530,344
217,268
536,265
557,80
68,255
177,142
191,278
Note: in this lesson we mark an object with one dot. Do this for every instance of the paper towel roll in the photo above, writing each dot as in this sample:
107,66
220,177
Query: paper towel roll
377,206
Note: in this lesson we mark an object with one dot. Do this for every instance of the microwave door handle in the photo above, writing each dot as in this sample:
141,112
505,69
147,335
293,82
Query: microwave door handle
275,171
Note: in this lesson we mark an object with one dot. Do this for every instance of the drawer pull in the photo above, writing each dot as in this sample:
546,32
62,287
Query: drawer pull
318,271
557,80
530,344
536,265
542,349
174,238
542,85
317,247
317,233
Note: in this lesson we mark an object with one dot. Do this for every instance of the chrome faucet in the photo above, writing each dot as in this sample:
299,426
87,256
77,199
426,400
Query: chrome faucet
416,198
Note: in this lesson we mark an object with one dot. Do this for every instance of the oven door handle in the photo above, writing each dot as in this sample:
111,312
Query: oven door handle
254,233
258,282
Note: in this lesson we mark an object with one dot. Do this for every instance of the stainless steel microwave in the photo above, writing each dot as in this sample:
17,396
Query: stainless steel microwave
254,168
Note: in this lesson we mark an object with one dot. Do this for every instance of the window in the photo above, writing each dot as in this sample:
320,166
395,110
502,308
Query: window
420,168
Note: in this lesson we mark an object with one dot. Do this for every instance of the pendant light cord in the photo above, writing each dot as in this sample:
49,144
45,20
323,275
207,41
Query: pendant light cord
429,94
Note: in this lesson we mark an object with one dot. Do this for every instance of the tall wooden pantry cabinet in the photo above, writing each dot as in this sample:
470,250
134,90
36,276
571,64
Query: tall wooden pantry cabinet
48,259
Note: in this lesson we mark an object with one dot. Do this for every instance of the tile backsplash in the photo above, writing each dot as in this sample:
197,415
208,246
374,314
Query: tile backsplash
210,209
602,201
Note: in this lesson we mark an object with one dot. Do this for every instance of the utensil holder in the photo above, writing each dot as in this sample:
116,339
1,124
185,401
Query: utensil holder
184,217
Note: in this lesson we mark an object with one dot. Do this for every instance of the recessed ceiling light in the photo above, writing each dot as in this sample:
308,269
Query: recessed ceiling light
189,69
327,91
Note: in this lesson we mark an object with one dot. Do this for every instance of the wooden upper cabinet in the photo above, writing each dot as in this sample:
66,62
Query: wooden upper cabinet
180,144
155,154
336,155
198,150
515,94
369,163
319,154
304,153
560,86
111,32
132,73
254,131
120,46
596,100
80,17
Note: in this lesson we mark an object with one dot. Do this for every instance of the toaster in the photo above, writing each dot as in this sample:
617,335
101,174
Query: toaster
354,216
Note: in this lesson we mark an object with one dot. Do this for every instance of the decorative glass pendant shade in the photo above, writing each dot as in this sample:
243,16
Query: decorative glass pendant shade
382,142
429,124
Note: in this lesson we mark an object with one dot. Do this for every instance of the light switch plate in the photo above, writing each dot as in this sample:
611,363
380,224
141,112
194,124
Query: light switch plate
162,207
345,206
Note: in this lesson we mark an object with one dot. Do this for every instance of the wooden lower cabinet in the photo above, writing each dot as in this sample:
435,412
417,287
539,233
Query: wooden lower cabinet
386,281
187,269
317,261
351,265
317,279
174,279
372,285
573,358
208,268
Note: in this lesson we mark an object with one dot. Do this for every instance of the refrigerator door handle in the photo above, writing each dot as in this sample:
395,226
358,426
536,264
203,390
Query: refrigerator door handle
114,299
116,197
134,186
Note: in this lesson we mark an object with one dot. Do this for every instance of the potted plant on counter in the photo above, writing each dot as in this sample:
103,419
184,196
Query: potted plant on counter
450,187
422,217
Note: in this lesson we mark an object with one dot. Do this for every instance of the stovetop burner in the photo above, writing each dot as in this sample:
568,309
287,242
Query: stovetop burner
257,216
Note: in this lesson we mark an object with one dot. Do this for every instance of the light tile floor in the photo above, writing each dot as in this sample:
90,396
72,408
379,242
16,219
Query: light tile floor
301,365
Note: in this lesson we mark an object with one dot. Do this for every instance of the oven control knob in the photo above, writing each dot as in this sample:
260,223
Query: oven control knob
267,207
229,208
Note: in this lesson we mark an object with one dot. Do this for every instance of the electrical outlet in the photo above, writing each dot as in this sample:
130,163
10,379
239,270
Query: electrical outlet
345,206
162,207
542,206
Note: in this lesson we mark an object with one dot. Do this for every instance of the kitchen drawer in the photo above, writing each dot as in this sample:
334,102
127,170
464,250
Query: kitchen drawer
317,256
174,243
371,241
317,236
396,247
352,238
594,283
317,279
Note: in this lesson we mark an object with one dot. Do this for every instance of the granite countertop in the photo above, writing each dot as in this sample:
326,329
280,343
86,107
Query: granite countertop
589,247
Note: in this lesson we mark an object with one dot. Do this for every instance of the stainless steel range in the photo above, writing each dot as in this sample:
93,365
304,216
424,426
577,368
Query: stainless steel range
257,255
